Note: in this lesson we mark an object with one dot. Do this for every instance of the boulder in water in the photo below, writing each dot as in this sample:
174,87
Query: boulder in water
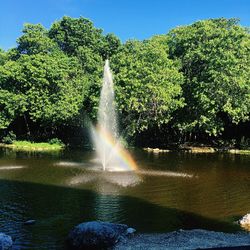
97,235
5,242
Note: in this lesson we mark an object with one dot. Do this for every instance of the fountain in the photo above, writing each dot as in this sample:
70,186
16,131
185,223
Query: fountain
112,157
110,152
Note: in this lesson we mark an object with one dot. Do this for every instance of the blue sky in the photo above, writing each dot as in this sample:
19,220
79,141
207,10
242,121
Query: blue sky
137,19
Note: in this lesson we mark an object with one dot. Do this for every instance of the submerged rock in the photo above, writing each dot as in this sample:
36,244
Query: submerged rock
97,235
245,222
5,242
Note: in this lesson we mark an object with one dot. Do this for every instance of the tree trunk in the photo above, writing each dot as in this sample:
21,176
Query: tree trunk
27,125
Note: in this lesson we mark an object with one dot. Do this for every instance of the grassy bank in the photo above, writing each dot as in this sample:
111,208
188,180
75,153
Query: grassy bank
239,151
33,146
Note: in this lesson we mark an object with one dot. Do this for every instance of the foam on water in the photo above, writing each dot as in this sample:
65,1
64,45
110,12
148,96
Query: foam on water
122,178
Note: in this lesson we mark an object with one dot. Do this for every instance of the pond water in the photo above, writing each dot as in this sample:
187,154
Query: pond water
168,192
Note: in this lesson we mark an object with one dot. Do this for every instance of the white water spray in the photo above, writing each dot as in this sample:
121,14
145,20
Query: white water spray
107,121
110,152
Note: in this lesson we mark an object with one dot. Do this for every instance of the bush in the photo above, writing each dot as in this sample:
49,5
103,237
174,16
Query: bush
244,143
9,138
56,141
225,144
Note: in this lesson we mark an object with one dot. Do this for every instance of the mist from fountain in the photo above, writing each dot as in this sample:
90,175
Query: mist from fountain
105,136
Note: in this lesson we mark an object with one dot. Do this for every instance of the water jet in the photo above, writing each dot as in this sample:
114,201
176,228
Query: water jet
110,152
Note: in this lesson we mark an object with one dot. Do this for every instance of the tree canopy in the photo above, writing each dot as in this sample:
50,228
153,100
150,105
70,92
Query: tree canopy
194,79
148,85
215,60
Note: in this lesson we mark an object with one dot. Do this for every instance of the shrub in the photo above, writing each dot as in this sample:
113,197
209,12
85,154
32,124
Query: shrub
244,143
56,141
9,138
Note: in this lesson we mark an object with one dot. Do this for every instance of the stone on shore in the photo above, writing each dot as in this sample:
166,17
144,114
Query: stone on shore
97,235
5,242
245,222
156,150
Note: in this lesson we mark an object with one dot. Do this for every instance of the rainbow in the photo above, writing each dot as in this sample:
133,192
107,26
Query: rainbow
123,157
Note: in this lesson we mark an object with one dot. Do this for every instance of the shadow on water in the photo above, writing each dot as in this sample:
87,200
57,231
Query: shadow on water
57,209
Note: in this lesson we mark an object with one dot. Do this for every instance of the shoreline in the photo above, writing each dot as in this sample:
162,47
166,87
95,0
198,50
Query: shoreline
198,149
185,239
46,147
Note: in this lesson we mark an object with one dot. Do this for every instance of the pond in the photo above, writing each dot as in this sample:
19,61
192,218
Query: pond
169,191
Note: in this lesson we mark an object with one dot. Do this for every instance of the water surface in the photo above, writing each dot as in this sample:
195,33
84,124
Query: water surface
170,191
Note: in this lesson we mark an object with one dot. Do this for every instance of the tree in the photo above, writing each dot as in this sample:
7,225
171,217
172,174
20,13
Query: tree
35,40
11,105
111,45
78,37
53,86
73,33
3,57
215,59
148,85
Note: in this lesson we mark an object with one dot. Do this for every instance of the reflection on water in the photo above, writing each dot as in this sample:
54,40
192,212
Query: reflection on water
107,209
168,192
68,164
11,167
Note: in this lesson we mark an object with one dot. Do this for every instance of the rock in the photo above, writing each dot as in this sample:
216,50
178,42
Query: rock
29,222
202,150
5,242
245,222
97,235
130,231
156,150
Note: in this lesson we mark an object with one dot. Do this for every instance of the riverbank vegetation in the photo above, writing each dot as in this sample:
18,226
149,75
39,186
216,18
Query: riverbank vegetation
189,85
32,146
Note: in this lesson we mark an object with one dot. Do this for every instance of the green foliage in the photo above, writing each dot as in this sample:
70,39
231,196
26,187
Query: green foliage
3,56
9,138
11,105
191,82
78,37
244,143
56,141
226,144
148,85
53,86
32,146
111,45
35,40
215,59
72,33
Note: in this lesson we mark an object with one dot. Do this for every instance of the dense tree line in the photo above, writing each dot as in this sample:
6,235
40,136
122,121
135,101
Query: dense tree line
192,84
